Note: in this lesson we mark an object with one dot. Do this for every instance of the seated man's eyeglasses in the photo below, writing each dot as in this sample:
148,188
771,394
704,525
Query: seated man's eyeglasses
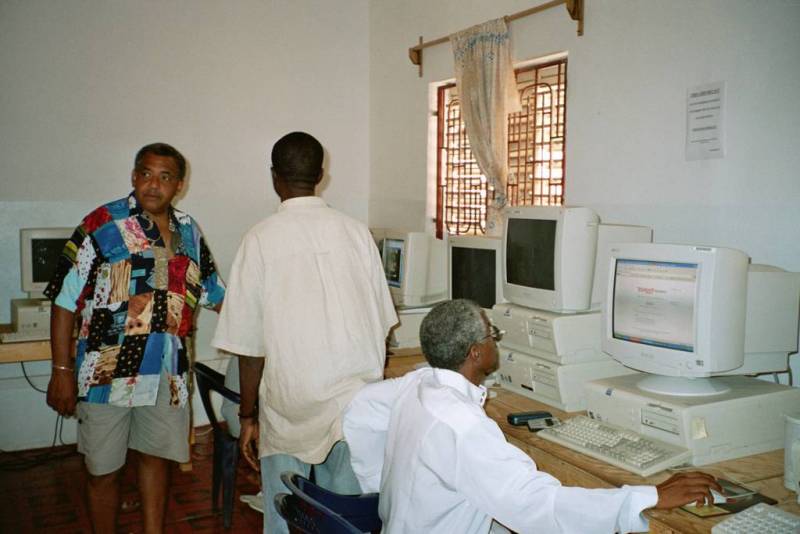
495,333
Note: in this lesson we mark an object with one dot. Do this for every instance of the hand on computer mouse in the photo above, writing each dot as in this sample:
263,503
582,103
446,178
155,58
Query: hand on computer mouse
684,488
718,497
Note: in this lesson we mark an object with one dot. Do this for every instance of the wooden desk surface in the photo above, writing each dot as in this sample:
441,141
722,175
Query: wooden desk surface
24,351
762,472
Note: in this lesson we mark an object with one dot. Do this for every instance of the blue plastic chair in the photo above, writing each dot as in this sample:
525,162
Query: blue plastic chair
310,517
226,447
311,508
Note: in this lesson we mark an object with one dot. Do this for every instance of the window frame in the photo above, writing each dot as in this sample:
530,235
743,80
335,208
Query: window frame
512,189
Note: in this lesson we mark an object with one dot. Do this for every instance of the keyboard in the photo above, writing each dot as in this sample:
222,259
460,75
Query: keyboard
759,518
616,445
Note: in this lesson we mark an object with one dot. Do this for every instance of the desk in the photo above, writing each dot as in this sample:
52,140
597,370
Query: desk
24,351
32,351
762,472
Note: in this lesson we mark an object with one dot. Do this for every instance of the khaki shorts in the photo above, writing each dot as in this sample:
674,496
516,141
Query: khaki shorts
105,432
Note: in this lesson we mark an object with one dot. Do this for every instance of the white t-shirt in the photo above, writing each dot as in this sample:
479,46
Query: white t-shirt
307,291
442,465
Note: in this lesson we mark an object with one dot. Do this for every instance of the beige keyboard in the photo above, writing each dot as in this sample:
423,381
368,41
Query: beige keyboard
616,446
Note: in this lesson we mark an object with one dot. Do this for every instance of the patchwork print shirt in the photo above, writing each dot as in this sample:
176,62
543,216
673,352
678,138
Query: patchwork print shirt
136,304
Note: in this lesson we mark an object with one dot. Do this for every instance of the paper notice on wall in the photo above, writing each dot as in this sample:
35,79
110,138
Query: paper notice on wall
705,133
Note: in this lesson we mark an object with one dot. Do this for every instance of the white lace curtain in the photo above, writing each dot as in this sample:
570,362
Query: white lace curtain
488,91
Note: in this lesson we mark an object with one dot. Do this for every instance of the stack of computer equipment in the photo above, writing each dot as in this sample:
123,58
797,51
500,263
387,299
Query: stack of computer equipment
40,249
415,267
655,341
695,319
552,258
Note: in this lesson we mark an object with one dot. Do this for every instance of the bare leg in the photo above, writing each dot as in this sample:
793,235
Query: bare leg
103,493
153,486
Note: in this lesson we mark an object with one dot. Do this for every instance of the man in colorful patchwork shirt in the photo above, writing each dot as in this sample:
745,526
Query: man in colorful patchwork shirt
133,274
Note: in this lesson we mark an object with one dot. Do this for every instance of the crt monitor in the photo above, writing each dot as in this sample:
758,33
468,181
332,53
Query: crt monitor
549,257
40,249
676,311
475,269
415,268
773,307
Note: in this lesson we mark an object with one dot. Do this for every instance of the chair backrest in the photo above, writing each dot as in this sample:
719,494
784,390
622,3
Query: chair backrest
307,516
361,511
209,380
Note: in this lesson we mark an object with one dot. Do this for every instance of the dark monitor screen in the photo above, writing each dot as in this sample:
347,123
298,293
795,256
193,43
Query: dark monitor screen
473,275
44,258
530,253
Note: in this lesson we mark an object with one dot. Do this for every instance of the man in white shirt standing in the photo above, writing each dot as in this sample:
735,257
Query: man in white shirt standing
442,465
307,311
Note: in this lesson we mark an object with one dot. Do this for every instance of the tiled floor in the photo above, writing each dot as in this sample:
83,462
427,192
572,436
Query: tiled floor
50,497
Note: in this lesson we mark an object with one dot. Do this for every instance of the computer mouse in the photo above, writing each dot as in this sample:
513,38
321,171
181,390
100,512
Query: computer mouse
718,497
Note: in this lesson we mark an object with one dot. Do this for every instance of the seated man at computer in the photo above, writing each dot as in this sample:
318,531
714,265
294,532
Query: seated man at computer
442,465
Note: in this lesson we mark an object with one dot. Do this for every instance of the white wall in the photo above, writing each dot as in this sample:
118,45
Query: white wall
626,112
87,83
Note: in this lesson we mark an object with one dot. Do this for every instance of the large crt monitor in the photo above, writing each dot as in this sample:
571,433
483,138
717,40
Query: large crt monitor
475,269
549,257
40,249
676,311
415,267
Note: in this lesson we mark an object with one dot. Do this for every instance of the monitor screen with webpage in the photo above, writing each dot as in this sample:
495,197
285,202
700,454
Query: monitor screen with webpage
549,257
415,268
654,303
474,269
40,250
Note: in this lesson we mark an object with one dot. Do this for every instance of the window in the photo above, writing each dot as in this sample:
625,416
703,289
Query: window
536,142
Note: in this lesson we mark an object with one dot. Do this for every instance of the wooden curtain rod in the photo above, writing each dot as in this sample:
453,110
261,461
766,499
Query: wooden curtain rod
574,8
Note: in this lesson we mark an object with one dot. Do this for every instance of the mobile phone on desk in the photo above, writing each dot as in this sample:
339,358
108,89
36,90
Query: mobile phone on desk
521,418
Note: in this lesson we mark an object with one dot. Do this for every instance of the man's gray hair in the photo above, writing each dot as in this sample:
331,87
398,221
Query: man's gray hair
449,330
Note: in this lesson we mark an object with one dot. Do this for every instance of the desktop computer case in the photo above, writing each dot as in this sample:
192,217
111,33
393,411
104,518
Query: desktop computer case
744,421
558,338
560,386
31,317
